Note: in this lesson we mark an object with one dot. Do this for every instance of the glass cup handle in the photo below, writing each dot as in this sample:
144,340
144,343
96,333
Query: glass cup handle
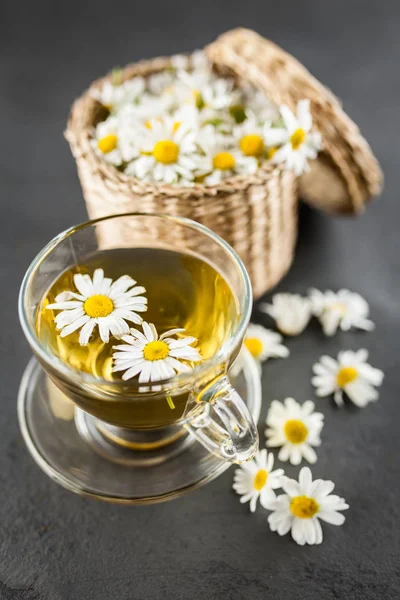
222,423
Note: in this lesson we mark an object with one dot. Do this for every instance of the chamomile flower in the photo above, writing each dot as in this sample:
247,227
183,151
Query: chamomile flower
154,357
107,141
159,82
344,309
295,141
351,374
263,343
303,506
250,138
221,159
99,302
291,312
167,152
113,96
256,480
257,103
295,428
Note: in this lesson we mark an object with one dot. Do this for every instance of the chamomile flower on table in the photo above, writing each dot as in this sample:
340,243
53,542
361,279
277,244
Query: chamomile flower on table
350,374
221,158
302,507
263,343
154,357
256,480
343,310
294,428
99,302
167,152
291,312
295,143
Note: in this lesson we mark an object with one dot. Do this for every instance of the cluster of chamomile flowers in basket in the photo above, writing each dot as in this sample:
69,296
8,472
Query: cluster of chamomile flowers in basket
185,125
294,428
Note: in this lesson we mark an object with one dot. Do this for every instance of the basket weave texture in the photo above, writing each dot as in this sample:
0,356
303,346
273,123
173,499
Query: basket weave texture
256,215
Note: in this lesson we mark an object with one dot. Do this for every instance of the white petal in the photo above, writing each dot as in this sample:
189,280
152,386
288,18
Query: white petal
298,530
104,330
86,332
321,488
132,372
361,392
83,284
332,517
148,332
145,375
98,277
304,115
74,326
291,487
305,480
290,120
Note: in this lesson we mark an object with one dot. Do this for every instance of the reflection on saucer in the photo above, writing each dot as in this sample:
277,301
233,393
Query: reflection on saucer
61,406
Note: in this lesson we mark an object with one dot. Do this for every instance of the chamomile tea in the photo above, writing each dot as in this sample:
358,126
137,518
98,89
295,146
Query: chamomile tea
188,310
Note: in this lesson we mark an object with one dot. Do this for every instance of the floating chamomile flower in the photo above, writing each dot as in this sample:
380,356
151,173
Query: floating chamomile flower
154,357
351,374
167,150
344,309
99,303
304,504
256,480
291,312
295,142
295,428
263,343
222,160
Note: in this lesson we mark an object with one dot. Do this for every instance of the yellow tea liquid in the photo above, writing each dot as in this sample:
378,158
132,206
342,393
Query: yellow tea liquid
182,291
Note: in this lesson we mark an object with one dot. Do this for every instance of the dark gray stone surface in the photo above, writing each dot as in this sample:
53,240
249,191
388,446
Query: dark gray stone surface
57,546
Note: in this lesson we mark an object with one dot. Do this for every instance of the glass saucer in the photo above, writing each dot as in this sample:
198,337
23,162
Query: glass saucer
69,446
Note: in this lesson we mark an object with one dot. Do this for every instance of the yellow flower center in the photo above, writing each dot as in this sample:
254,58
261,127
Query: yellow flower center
224,161
166,152
254,346
156,350
295,431
271,152
260,479
98,306
346,375
297,138
304,507
108,143
148,125
252,145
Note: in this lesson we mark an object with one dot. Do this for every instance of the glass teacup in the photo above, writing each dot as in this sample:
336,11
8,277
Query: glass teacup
121,420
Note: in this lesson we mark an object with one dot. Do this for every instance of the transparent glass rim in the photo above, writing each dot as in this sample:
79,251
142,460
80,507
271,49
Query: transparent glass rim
184,378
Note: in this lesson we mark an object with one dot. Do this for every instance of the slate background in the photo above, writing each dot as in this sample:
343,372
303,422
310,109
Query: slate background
57,546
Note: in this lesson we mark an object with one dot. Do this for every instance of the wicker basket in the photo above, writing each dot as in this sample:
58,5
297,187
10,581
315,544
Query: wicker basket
256,214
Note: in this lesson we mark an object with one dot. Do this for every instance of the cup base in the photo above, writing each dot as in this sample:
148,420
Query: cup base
94,459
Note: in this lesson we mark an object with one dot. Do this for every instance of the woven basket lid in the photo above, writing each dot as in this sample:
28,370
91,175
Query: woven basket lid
346,173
